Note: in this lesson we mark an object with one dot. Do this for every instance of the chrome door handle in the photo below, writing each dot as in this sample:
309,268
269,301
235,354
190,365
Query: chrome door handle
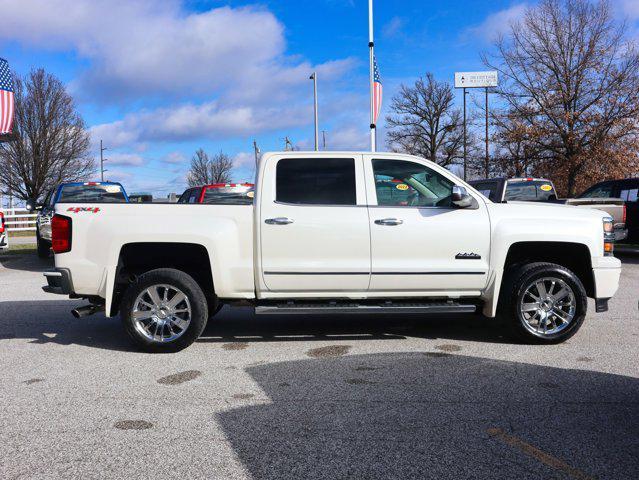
389,221
278,221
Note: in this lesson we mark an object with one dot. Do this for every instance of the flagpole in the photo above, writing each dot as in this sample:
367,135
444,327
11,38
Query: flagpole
371,48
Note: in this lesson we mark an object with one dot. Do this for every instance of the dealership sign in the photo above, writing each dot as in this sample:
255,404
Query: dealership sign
475,79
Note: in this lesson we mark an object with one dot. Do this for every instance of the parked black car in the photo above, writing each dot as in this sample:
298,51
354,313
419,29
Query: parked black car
626,189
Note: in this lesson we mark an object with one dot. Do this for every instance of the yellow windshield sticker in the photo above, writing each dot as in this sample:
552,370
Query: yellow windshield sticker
250,194
401,186
546,188
112,189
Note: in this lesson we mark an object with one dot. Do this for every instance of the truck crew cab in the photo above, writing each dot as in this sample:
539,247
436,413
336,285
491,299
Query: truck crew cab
336,232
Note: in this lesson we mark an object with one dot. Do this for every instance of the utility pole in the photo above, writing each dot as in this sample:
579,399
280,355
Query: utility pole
465,137
102,160
257,152
486,166
314,78
323,139
288,146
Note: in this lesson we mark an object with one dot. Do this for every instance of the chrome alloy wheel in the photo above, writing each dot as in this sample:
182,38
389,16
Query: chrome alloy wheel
547,306
162,313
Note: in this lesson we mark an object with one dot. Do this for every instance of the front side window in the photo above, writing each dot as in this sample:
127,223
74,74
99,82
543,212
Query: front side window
316,181
400,183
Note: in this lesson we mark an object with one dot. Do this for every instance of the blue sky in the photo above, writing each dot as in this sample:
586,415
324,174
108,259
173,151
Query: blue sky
157,79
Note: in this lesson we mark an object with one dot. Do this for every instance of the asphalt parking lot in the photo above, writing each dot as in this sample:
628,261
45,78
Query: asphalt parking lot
314,397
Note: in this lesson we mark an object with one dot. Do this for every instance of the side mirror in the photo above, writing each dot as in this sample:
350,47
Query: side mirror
460,197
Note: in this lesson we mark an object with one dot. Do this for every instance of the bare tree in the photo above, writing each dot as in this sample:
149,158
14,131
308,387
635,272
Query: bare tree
424,122
206,170
570,80
51,144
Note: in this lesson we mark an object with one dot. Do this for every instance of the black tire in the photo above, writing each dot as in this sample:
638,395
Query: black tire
174,278
514,286
43,247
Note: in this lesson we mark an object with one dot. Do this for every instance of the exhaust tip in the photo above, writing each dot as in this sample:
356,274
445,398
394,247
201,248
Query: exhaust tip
86,310
75,313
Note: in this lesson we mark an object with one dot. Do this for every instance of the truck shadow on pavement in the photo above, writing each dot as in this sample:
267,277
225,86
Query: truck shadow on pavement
433,415
45,322
26,262
242,325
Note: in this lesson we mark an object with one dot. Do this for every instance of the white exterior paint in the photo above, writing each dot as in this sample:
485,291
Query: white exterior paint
349,254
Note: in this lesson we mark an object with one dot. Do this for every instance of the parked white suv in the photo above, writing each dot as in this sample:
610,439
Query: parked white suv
338,232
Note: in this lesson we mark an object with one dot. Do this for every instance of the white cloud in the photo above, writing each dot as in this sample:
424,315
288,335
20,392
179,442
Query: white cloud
393,27
145,47
208,120
128,159
629,8
174,158
496,24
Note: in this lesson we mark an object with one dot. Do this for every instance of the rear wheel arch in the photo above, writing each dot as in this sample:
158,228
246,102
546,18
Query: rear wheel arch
136,259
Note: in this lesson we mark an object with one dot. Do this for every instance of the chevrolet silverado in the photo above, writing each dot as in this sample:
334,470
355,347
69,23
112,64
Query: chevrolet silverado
336,232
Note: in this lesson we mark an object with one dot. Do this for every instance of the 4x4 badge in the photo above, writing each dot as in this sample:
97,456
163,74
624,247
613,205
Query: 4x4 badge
467,256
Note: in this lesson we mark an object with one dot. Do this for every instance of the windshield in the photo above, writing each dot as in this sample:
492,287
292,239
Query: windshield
109,193
530,191
237,195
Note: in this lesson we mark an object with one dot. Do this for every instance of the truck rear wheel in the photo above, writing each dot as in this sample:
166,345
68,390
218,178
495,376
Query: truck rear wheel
543,303
164,310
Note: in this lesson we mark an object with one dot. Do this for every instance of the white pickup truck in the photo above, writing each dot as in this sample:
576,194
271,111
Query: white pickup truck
336,232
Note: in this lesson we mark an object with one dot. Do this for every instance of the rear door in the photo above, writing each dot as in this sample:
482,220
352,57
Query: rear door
420,242
314,224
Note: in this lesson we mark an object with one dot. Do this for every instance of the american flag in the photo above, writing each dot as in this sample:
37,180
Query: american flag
6,98
377,92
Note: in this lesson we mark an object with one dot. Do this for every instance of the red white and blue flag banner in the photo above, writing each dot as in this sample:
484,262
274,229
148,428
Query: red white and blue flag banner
6,98
377,92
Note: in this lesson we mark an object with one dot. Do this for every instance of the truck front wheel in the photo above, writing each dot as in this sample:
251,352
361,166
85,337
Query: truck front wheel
543,303
164,310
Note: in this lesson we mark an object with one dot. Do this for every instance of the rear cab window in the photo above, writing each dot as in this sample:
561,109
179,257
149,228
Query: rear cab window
92,193
229,194
530,191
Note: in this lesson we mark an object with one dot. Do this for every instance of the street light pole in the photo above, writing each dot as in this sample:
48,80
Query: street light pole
486,166
465,137
314,78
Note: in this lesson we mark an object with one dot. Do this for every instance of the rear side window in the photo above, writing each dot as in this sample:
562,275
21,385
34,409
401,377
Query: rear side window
487,189
598,191
316,181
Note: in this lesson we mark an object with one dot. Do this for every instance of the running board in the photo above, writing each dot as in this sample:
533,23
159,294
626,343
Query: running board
347,308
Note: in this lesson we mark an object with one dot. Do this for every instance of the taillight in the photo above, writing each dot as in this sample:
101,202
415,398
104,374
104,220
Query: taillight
623,218
1,222
60,234
609,236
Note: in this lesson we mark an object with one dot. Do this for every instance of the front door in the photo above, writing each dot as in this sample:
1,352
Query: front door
421,242
314,225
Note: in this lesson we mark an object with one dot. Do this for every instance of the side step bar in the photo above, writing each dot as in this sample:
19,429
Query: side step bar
347,308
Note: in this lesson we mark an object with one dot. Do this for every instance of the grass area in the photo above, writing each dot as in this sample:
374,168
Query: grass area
21,234
21,248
